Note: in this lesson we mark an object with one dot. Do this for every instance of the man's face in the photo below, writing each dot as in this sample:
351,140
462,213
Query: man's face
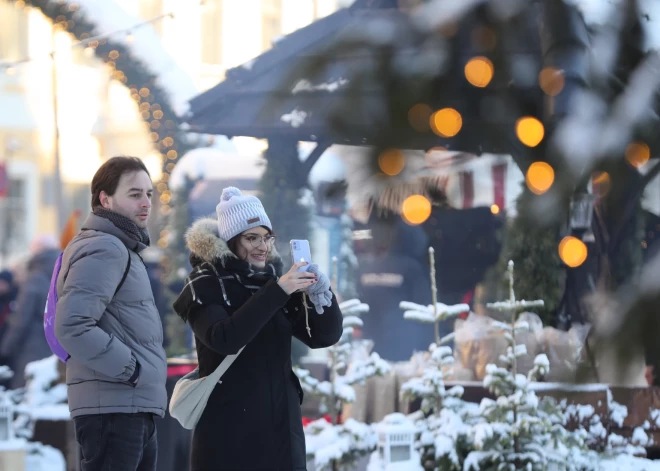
132,198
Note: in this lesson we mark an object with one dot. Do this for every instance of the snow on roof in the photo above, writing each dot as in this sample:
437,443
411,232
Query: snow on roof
329,168
214,164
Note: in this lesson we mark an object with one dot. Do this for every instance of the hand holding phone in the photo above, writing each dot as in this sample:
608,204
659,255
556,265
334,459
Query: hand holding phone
300,252
296,280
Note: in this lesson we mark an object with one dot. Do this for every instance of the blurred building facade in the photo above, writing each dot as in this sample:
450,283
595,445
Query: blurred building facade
95,114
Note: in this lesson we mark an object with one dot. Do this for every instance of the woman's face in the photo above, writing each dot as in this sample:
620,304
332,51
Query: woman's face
253,246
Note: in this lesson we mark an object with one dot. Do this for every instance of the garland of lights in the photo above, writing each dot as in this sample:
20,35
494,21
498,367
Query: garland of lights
154,103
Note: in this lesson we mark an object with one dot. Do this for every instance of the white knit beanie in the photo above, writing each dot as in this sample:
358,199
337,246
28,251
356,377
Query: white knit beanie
238,213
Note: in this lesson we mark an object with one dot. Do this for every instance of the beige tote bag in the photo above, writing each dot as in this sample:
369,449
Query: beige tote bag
191,393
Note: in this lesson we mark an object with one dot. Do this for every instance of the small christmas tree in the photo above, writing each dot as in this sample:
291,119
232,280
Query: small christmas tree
337,444
518,430
436,312
440,439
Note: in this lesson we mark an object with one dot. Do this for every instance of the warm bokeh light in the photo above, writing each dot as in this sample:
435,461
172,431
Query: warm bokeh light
416,209
419,116
391,161
551,81
637,154
479,71
495,209
530,131
540,177
572,251
446,122
600,183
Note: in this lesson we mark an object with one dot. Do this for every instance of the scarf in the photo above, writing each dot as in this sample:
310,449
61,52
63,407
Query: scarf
122,222
248,275
251,279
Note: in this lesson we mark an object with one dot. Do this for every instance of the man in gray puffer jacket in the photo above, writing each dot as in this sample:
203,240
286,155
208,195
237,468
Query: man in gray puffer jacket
108,322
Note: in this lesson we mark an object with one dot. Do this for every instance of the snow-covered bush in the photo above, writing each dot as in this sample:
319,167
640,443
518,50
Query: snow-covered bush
43,398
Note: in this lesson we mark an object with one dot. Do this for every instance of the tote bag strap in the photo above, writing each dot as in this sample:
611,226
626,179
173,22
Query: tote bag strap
223,367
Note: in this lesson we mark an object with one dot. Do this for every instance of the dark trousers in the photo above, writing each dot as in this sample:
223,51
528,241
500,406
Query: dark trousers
117,442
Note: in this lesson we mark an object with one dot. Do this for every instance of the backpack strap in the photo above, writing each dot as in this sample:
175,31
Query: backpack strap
123,278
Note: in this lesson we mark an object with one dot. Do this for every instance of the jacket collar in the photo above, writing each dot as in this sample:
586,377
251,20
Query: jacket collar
100,224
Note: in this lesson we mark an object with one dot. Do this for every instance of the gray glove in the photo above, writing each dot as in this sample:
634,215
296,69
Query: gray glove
319,293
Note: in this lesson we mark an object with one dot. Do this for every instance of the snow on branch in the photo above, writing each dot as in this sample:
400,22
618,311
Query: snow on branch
305,85
360,371
514,305
427,314
353,307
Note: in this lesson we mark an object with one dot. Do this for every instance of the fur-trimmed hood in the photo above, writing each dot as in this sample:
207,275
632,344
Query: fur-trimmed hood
204,243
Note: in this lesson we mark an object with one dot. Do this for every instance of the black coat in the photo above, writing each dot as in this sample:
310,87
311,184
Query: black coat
252,420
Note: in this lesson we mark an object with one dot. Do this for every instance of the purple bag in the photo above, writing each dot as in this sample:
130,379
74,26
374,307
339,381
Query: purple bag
49,315
51,307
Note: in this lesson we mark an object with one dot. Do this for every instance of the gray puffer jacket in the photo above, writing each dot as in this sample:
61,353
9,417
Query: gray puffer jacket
108,335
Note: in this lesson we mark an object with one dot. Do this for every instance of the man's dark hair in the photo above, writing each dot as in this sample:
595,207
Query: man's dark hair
107,176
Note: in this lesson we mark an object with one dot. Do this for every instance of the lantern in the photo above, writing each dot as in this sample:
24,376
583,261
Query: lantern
6,417
396,439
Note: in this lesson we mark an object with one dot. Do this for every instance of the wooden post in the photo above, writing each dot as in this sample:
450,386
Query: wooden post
434,294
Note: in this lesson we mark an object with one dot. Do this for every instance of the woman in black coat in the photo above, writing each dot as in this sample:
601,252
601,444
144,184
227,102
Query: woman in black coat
234,298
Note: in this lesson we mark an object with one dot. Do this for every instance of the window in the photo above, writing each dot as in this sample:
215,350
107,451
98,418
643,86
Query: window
211,32
13,32
271,23
150,9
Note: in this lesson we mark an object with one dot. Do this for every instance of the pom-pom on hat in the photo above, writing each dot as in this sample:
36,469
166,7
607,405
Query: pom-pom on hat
237,213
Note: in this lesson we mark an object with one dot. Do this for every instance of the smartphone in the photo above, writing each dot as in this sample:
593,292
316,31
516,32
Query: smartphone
300,252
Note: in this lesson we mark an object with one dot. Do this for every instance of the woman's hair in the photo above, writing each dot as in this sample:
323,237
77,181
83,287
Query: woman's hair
234,242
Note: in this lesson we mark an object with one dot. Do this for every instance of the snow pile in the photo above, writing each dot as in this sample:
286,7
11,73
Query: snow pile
42,457
41,388
43,398
338,443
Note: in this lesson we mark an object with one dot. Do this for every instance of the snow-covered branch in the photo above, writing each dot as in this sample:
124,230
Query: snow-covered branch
427,314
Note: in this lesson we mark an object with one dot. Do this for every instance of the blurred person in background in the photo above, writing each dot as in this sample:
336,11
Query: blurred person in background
8,293
390,272
23,339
